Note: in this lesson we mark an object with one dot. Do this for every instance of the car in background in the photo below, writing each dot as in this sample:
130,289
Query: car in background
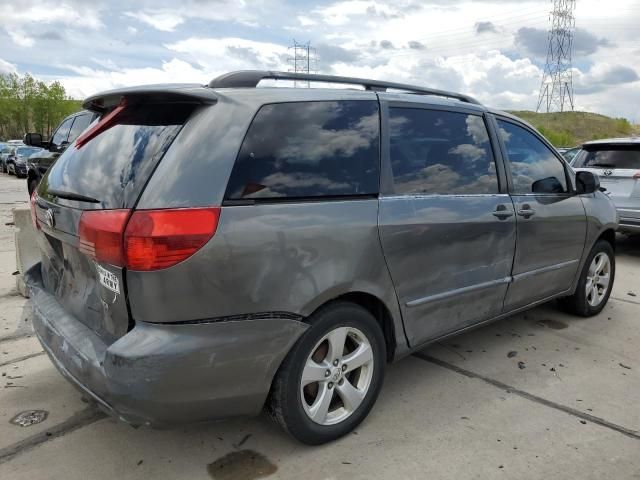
16,161
66,133
6,152
617,163
570,153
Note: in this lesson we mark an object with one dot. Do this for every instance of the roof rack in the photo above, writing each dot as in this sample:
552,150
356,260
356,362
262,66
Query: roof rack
251,78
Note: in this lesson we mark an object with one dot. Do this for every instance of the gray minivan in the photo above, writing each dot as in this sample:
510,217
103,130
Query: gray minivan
211,250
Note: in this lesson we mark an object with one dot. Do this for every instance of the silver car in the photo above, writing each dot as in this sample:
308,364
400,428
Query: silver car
617,162
210,251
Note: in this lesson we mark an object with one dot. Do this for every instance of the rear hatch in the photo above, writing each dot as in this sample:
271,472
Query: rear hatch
93,185
618,166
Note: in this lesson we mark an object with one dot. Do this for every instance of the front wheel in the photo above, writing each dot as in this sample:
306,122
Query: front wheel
595,283
331,378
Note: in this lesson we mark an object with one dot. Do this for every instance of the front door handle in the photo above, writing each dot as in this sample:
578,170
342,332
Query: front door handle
526,211
502,212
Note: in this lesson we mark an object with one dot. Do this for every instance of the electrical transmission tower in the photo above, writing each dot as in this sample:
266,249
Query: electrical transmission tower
556,89
303,59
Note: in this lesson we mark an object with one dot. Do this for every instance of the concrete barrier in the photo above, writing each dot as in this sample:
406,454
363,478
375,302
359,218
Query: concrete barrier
27,252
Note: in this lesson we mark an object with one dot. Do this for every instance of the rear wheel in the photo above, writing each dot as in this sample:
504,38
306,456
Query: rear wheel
595,283
331,378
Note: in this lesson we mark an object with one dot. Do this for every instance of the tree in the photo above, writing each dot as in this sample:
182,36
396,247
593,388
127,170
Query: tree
30,105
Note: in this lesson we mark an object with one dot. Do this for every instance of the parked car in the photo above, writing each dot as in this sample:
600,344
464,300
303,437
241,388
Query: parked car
4,154
570,154
17,160
62,137
617,162
6,151
208,251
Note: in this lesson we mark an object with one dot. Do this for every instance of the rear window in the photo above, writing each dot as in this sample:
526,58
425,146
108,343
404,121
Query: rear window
309,149
609,156
113,167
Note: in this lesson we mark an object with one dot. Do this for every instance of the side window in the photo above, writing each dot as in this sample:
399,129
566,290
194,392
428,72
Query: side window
79,124
61,133
309,149
439,152
534,167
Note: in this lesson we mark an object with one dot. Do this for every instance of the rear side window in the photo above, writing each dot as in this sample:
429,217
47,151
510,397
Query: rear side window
309,149
80,123
609,156
439,152
113,167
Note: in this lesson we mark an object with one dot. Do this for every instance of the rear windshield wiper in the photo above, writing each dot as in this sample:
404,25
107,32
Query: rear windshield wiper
72,196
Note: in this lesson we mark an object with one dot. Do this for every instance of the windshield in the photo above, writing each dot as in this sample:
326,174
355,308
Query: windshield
112,168
26,151
609,156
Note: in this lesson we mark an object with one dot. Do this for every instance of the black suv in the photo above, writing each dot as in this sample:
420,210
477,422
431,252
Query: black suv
65,134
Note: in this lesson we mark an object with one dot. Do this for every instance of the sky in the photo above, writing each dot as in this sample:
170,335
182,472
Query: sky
492,50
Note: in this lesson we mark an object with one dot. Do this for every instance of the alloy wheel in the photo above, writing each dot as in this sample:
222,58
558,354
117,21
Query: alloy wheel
598,279
337,376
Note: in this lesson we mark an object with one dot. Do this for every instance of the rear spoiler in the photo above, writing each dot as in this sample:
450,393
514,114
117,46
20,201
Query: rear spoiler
189,92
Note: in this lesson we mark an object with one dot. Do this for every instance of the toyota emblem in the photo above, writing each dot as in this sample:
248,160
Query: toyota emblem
607,172
49,218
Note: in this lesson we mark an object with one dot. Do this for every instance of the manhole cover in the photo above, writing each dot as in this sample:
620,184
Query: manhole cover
29,417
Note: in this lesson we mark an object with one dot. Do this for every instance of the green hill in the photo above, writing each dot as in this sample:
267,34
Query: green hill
565,129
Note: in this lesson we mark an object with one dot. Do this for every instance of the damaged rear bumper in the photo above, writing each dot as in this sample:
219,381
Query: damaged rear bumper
165,374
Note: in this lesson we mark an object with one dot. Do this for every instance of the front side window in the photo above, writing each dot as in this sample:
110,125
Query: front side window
439,152
62,133
534,167
309,149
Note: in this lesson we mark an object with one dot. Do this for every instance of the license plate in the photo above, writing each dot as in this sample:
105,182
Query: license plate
108,279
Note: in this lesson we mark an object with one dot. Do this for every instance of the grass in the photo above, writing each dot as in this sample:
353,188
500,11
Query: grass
566,129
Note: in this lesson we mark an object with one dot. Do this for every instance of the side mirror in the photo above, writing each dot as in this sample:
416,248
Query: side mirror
587,182
547,185
32,139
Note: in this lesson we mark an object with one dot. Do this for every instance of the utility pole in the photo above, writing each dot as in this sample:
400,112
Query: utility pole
556,89
303,59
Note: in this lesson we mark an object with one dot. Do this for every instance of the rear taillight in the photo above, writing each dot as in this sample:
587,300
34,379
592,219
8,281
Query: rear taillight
146,239
101,234
156,239
34,217
636,175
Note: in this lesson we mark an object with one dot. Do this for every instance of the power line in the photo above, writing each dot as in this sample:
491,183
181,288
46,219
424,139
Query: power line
556,87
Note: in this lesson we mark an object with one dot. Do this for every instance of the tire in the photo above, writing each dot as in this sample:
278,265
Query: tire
292,406
32,184
588,304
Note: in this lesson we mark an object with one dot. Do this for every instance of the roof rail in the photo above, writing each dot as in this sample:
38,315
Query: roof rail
251,78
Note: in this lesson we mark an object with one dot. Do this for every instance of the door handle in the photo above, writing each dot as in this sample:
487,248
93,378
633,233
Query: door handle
526,211
502,212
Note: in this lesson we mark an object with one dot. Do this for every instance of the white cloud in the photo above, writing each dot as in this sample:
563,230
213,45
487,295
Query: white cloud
165,21
219,55
88,81
18,37
6,67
